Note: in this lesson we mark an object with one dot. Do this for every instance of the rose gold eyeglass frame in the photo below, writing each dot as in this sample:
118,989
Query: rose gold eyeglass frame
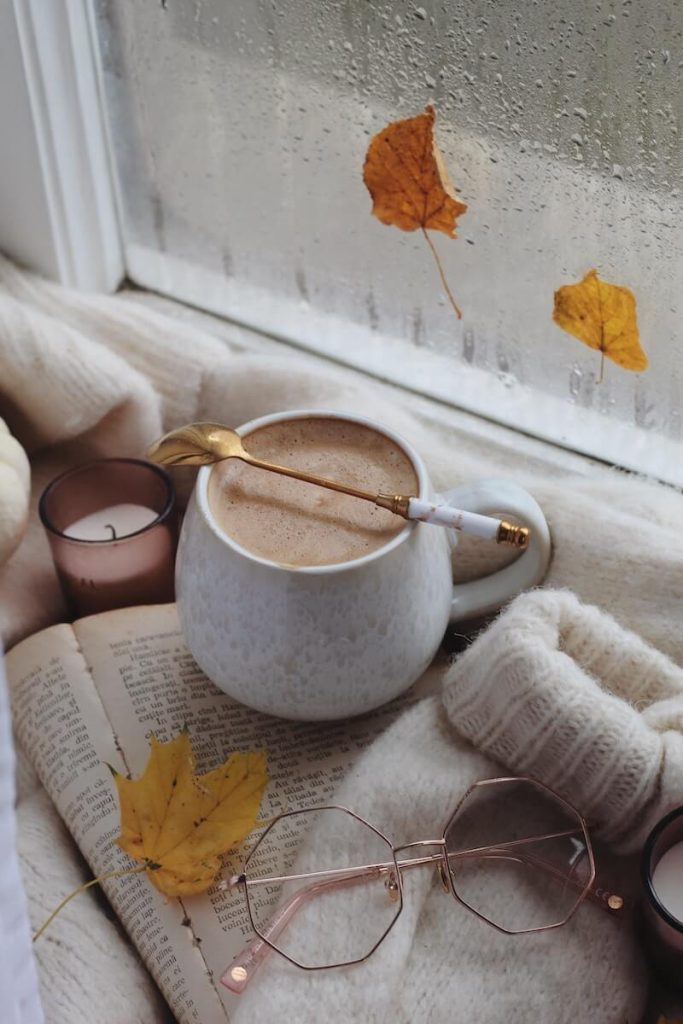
241,970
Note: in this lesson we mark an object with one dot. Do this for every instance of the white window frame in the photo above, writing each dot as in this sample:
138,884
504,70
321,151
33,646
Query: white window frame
57,200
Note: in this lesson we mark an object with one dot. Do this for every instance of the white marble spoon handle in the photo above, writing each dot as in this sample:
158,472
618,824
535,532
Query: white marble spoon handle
455,518
473,523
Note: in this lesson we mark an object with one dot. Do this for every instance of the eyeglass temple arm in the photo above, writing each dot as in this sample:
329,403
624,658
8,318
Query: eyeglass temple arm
603,898
243,967
239,973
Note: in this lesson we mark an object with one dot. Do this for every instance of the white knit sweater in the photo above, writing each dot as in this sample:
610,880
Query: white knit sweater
558,690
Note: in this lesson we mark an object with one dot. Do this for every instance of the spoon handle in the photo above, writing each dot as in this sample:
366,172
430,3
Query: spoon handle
309,478
412,508
473,523
457,519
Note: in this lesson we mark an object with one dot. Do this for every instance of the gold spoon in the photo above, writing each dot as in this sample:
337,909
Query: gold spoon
200,444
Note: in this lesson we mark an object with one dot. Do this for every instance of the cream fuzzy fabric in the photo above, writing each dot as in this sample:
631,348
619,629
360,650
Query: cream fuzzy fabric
440,963
82,376
15,489
554,689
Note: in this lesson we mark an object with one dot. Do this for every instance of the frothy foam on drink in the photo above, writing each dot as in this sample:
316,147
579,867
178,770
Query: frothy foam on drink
296,523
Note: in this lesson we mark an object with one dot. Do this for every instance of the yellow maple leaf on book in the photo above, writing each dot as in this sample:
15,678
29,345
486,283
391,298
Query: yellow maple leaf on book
178,823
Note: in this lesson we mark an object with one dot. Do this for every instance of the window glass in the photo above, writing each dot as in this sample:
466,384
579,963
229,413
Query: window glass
239,132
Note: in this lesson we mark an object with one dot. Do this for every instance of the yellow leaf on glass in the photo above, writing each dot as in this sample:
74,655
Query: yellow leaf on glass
410,187
602,316
178,823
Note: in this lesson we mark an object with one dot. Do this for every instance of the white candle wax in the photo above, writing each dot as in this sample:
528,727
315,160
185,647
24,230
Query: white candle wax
112,523
667,881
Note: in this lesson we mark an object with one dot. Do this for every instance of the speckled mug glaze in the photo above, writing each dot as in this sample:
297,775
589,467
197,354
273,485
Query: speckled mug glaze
331,641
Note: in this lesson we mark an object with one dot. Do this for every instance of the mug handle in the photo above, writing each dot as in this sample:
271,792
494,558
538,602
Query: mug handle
479,597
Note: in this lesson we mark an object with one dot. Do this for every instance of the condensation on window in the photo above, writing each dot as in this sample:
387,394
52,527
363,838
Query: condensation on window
239,132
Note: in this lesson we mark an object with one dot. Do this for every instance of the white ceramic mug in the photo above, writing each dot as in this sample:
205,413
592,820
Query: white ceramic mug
330,641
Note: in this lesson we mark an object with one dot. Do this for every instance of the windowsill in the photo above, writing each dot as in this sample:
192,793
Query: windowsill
534,455
603,423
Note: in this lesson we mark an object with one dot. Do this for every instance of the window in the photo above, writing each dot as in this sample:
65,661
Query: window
238,131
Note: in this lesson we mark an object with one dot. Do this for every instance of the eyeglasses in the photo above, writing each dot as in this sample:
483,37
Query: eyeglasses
513,852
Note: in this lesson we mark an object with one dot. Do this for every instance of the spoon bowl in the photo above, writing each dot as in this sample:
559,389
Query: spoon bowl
198,444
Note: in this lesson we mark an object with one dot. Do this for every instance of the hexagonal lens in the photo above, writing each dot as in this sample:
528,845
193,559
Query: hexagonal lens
322,887
518,856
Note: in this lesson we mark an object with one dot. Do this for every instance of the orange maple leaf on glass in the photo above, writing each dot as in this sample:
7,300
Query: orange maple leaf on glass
405,174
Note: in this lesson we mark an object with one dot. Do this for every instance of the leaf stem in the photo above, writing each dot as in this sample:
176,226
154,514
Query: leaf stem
602,329
81,888
435,254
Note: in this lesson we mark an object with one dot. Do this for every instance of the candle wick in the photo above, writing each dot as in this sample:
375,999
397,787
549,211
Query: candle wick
108,526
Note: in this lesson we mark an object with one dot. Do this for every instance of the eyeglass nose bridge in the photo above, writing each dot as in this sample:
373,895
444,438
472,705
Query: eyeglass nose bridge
437,859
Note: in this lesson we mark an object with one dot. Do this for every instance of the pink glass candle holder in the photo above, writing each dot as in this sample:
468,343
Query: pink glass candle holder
112,529
662,877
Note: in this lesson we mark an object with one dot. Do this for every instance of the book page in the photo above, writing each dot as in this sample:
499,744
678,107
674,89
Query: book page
60,721
132,675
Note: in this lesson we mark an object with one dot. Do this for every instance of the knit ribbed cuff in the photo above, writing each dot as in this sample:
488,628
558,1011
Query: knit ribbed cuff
558,690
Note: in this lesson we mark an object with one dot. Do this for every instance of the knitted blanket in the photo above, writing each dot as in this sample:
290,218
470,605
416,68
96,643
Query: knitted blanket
85,376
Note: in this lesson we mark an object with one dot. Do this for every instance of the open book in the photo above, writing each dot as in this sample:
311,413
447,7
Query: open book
89,695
